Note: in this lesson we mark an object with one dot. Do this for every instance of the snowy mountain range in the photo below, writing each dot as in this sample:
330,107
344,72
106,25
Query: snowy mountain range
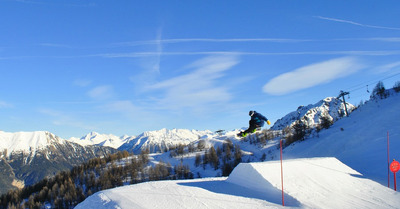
28,157
19,151
106,140
162,140
344,166
155,141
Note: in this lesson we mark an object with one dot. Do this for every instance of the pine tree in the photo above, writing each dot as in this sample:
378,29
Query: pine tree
237,155
396,86
228,153
205,159
263,157
197,160
326,122
379,90
219,151
213,158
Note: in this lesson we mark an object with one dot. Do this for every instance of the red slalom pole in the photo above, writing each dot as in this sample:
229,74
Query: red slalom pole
388,159
283,199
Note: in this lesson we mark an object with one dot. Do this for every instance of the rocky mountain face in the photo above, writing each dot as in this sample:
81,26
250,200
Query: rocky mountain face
28,157
311,115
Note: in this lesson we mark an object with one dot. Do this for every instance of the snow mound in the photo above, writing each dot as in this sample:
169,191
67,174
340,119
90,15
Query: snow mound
194,194
309,183
316,183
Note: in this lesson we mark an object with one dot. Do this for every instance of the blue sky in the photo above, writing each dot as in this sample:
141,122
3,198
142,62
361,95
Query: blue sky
124,67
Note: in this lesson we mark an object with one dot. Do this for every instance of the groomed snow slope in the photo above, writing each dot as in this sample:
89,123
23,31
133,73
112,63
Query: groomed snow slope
309,183
359,141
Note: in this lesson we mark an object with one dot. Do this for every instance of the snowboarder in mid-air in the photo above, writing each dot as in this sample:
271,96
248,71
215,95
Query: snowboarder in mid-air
256,122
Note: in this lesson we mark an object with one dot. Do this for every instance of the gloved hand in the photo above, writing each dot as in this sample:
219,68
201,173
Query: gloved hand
269,123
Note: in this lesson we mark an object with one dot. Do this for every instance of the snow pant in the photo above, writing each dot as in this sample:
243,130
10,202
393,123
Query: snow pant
252,126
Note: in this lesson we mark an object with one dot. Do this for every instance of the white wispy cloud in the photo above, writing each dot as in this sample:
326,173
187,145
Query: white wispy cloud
198,88
210,40
355,23
243,53
386,39
56,45
124,107
101,92
82,82
5,104
387,67
65,119
156,66
312,75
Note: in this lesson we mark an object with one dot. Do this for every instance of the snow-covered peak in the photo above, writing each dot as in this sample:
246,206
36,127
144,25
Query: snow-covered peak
174,134
94,138
26,141
311,115
163,139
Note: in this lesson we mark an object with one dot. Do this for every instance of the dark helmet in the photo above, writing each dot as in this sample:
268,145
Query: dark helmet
251,113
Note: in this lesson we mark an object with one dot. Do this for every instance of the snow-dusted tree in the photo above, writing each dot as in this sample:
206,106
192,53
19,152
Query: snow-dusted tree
298,134
238,154
205,159
213,158
379,90
326,122
197,161
396,86
263,157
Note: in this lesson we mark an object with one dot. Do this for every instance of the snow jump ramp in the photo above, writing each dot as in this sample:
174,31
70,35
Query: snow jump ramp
314,183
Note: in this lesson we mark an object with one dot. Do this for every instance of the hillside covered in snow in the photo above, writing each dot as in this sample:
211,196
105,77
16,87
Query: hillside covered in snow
354,146
345,166
308,183
28,157
311,115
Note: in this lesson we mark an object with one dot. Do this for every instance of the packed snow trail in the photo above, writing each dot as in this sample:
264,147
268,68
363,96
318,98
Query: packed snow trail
308,183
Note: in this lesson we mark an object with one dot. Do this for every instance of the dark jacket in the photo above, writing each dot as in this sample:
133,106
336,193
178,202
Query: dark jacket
258,119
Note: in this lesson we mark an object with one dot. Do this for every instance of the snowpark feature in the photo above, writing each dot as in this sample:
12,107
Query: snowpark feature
309,183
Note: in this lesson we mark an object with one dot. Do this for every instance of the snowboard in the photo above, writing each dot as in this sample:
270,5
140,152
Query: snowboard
242,134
